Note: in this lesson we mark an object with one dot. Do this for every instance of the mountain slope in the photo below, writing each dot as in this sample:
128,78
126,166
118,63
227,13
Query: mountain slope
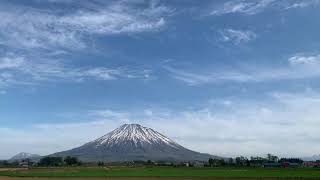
133,142
312,158
24,155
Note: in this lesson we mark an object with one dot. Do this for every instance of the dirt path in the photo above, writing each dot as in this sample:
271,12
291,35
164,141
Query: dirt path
13,169
17,178
76,178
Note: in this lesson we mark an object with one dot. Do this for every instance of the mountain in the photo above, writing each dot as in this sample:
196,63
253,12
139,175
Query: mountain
24,155
312,158
133,142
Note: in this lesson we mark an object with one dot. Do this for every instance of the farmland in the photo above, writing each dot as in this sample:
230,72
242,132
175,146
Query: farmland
163,172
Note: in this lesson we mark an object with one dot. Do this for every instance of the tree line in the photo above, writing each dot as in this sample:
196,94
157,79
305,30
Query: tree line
45,161
59,161
253,161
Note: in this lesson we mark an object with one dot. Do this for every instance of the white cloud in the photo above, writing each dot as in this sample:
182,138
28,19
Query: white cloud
302,4
100,73
111,22
304,60
237,36
109,114
192,78
28,30
37,140
40,37
243,7
298,67
17,69
9,63
24,27
284,124
252,7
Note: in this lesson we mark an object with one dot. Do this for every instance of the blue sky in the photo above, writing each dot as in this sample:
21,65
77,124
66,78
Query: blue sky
223,77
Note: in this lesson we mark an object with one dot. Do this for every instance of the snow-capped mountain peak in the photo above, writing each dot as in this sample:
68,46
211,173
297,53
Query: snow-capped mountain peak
136,134
24,155
132,142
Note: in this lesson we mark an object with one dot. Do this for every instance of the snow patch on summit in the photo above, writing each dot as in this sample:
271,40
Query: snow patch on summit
136,134
24,155
132,142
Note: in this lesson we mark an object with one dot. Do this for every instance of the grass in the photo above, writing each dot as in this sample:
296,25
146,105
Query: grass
166,172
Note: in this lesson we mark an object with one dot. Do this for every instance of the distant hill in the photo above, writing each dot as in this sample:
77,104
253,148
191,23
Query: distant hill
133,142
24,155
312,158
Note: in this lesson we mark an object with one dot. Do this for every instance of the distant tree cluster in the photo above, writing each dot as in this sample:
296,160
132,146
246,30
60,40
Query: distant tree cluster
8,164
59,161
51,161
72,161
100,163
216,162
291,160
269,161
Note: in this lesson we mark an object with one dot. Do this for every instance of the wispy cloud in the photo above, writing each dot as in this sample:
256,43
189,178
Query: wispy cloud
35,39
302,4
18,69
248,7
25,27
193,78
35,29
243,7
304,60
237,36
9,63
116,19
297,67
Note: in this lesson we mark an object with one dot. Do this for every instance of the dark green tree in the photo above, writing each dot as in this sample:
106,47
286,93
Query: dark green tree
211,162
216,162
272,158
71,161
51,161
241,161
100,163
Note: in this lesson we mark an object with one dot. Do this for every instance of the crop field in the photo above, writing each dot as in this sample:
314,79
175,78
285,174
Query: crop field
163,172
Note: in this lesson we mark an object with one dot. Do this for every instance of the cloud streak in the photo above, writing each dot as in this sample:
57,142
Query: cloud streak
16,69
298,67
243,7
237,36
35,40
25,27
247,7
304,60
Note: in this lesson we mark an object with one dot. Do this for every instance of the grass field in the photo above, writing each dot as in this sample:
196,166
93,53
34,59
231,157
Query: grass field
165,172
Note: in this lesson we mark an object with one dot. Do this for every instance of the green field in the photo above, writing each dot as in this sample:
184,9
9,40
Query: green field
165,172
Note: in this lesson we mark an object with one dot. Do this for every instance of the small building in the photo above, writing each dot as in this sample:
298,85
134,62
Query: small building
290,165
24,163
311,164
198,164
272,165
181,164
